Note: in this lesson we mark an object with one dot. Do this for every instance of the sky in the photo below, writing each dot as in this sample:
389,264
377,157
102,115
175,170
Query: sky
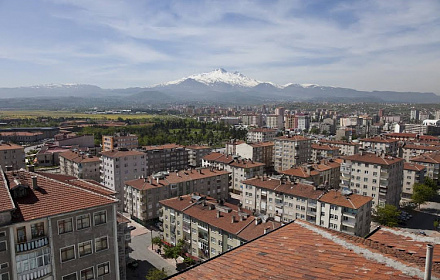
365,45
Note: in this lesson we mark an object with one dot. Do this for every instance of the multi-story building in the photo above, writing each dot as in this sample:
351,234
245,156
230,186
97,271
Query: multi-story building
71,139
432,163
119,141
22,136
345,148
259,152
380,177
414,116
303,121
381,145
326,173
320,151
55,230
275,121
80,165
411,150
261,135
142,196
252,120
210,227
412,174
11,155
290,151
286,201
120,166
165,157
196,153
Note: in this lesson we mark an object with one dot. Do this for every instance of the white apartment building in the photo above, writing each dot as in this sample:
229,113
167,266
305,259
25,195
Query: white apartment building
120,166
258,152
345,148
196,153
275,121
432,163
252,120
320,151
381,145
119,141
80,165
142,195
413,150
380,177
412,174
261,135
286,201
290,151
11,155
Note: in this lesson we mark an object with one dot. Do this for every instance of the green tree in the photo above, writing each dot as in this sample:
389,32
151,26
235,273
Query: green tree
156,274
387,215
157,241
422,193
173,252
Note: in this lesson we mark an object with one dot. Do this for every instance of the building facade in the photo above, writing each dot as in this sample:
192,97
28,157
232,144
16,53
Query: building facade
261,135
320,152
80,165
412,174
196,153
11,155
168,157
290,151
432,163
381,145
118,141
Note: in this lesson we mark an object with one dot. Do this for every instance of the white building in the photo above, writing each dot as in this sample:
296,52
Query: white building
80,165
291,151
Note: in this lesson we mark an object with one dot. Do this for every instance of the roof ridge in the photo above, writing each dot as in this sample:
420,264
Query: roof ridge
7,188
239,231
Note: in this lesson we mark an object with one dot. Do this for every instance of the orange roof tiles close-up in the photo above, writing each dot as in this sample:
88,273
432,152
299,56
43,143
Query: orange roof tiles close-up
300,250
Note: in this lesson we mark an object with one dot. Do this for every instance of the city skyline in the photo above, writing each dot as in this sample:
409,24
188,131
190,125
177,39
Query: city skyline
365,45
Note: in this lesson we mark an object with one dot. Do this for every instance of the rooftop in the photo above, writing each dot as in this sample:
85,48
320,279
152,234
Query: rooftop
119,154
353,201
263,130
379,140
324,147
162,147
373,159
219,157
413,166
79,157
433,157
292,138
10,146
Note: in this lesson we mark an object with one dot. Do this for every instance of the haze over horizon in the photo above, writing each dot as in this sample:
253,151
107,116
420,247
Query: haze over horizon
364,45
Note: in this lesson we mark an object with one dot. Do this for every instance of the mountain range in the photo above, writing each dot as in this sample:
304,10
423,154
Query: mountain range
216,87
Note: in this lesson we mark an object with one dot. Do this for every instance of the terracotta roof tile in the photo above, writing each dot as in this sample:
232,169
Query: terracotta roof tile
163,147
118,154
324,147
374,159
353,201
297,189
333,142
379,140
433,157
293,138
413,166
6,202
219,157
78,157
10,146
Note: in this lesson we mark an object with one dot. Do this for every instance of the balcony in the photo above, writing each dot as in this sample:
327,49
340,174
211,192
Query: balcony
384,175
37,273
349,214
311,213
31,245
349,223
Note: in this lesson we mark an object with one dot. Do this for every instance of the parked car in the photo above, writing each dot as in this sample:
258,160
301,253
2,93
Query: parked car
132,263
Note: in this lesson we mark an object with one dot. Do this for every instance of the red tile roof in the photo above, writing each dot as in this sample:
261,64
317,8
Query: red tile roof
374,159
119,154
332,142
79,158
413,166
219,157
379,140
6,202
297,251
433,157
10,146
324,147
353,201
162,147
262,144
53,197
246,164
293,138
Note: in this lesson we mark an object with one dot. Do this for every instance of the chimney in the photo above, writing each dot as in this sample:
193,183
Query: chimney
241,218
257,221
157,181
233,219
9,168
428,263
34,182
218,214
30,168
266,230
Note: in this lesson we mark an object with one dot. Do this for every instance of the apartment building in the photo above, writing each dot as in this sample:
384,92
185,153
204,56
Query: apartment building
240,169
142,196
286,201
80,165
261,135
22,136
258,152
231,146
275,121
119,141
345,148
120,166
380,177
432,163
209,226
326,173
55,230
320,151
290,151
165,157
196,153
72,139
252,120
381,145
11,155
412,174
411,150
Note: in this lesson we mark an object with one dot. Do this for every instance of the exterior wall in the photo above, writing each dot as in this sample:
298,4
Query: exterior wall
432,170
166,159
83,170
195,156
12,157
389,148
240,174
260,136
263,154
116,142
319,154
289,153
81,141
411,177
6,262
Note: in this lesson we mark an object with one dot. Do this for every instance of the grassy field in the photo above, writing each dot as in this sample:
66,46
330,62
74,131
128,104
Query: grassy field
68,114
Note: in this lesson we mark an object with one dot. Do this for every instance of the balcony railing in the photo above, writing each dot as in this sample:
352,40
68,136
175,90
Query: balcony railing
31,245
36,273
349,223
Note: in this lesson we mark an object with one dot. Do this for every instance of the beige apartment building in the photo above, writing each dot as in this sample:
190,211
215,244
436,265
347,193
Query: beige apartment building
258,152
11,155
252,120
326,173
168,157
66,232
380,177
196,153
142,196
261,135
381,145
345,148
286,201
320,151
412,174
290,151
80,165
210,227
275,121
432,163
119,141
411,150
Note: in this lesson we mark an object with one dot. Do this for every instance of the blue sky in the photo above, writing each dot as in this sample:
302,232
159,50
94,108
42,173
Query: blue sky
366,45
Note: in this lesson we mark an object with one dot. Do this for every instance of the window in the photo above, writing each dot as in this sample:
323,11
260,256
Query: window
103,269
65,226
4,276
21,234
67,253
100,218
83,221
70,276
2,233
85,248
87,274
3,246
4,265
213,251
37,230
101,243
